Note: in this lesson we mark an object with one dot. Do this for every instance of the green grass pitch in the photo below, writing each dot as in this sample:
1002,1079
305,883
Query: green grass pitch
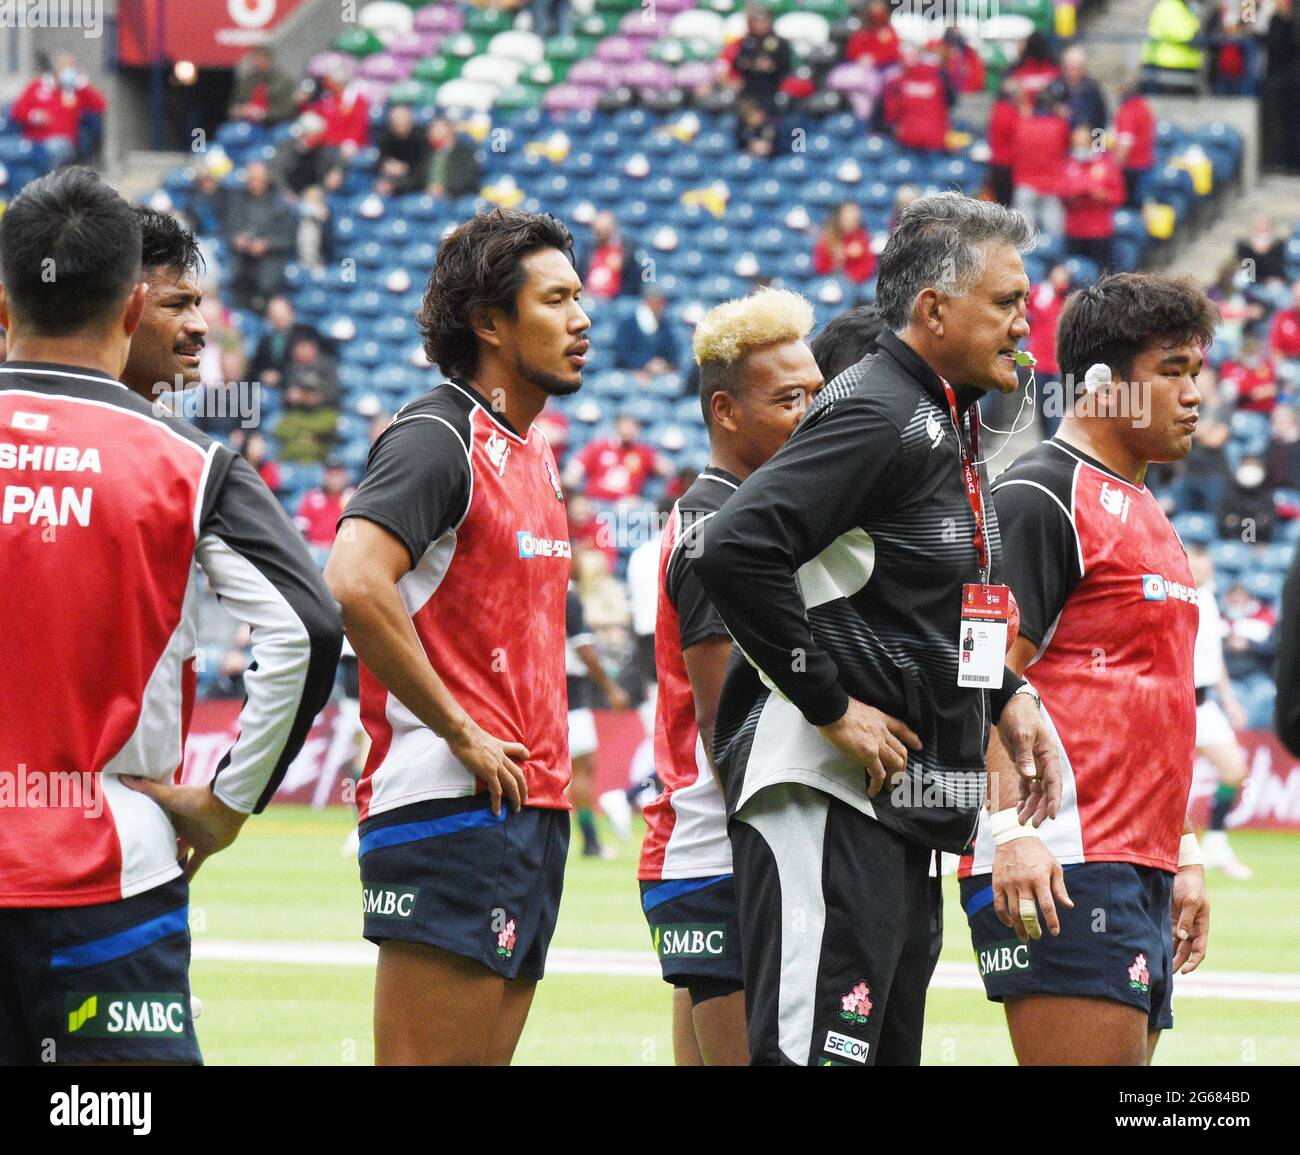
285,881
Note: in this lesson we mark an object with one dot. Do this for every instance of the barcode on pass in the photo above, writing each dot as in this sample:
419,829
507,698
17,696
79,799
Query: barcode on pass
978,678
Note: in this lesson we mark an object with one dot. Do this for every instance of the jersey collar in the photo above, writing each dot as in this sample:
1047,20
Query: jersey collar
713,473
62,370
912,364
1087,459
483,403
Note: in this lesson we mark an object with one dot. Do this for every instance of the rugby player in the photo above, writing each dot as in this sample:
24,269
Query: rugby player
451,566
108,504
1108,619
1218,716
586,673
166,345
757,376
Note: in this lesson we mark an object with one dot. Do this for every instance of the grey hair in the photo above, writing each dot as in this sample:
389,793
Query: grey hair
940,242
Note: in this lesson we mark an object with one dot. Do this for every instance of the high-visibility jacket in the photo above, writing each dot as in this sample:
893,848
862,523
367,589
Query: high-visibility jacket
1170,31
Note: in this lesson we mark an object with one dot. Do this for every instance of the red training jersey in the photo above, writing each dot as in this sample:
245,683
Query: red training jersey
480,510
1106,593
105,506
686,825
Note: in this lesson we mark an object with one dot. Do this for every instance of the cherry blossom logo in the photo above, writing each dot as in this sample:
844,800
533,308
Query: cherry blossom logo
856,1005
506,939
1139,978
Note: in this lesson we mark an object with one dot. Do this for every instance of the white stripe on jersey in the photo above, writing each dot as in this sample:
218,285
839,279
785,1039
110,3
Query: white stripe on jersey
145,834
275,679
154,749
1062,834
419,764
698,845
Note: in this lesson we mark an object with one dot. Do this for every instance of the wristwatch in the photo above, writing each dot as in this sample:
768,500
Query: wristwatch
1027,691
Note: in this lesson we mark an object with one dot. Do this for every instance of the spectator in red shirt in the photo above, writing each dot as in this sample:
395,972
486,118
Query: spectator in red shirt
1135,141
960,62
1254,374
1046,300
587,530
1284,333
1042,146
617,467
346,113
1037,66
51,107
1092,188
1003,121
320,509
257,453
876,41
605,267
844,246
916,102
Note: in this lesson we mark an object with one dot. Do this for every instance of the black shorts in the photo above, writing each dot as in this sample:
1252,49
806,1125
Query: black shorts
694,928
1115,943
451,874
839,918
107,983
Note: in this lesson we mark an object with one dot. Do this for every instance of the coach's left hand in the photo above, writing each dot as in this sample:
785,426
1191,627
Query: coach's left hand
1025,738
1191,915
204,824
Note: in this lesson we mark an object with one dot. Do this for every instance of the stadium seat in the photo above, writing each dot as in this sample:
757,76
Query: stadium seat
1195,527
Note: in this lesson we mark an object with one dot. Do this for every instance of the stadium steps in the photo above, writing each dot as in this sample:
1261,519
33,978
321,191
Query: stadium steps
1275,194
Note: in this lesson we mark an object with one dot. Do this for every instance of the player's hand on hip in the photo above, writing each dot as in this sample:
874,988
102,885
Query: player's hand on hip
1027,741
203,823
494,762
873,738
1027,879
1191,915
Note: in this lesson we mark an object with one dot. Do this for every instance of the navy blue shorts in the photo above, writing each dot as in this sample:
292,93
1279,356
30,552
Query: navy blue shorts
107,983
1117,942
451,874
694,928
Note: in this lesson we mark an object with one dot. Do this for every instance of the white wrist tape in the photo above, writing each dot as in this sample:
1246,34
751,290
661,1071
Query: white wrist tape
1006,827
1189,852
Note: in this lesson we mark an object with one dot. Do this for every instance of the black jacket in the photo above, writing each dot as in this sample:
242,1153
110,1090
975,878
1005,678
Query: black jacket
838,568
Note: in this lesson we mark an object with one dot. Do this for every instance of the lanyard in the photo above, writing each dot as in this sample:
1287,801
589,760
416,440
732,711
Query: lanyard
970,475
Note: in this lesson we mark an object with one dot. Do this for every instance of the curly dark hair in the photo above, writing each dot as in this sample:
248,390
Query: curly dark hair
1112,321
480,266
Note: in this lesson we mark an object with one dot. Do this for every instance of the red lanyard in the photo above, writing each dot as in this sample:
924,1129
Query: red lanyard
970,474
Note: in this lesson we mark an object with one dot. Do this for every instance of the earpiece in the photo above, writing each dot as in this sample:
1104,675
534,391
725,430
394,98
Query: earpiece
1097,376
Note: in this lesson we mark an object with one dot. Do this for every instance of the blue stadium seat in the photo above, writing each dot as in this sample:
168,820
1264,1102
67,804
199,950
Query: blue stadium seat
1194,527
1264,584
1230,558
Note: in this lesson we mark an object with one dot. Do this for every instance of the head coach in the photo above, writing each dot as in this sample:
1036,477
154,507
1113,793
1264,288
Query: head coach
848,568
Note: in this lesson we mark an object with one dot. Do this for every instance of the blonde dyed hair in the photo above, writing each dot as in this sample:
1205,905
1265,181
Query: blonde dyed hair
768,317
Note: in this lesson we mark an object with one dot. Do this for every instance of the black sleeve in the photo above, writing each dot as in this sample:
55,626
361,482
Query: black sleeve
417,483
1040,554
1287,672
575,622
844,460
258,566
697,617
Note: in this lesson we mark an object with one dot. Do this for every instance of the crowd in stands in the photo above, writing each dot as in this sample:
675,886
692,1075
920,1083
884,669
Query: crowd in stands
1054,148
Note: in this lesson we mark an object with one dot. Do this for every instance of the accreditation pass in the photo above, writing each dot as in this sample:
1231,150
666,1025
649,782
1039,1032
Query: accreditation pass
982,637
